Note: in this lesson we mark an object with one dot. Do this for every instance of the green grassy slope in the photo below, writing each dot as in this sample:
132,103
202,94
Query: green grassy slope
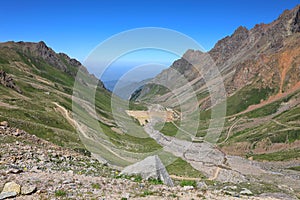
42,83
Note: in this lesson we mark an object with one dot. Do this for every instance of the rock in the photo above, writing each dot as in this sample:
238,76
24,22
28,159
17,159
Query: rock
125,196
5,195
230,187
67,181
17,133
150,167
14,171
188,187
4,123
35,169
70,172
12,187
231,193
245,191
28,189
201,185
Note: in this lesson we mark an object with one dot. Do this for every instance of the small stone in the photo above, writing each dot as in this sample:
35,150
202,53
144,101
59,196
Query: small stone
5,195
16,133
70,172
28,189
125,196
231,193
14,171
230,187
67,181
202,185
4,123
188,187
245,191
12,187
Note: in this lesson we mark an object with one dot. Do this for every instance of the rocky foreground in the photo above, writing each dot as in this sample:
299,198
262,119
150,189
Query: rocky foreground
32,168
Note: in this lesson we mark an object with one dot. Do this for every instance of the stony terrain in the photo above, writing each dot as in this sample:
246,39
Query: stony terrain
32,168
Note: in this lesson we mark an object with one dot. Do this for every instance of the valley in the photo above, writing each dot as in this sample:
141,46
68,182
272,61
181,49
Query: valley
223,124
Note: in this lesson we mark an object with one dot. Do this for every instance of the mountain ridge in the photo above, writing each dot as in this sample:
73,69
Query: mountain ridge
260,71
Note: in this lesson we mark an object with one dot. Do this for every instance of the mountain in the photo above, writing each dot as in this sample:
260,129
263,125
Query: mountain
125,89
40,77
53,97
47,94
261,75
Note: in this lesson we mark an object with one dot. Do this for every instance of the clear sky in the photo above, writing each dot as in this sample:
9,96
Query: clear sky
76,27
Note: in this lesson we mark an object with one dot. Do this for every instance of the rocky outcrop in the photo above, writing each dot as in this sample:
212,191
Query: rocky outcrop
295,25
266,56
150,167
8,81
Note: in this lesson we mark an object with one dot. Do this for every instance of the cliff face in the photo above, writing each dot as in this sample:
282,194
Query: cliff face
267,56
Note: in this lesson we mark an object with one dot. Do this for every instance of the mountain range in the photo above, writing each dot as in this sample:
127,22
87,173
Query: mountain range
260,70
249,80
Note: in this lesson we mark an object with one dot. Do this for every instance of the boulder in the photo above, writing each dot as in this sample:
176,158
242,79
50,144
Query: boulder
12,187
28,189
188,187
245,191
150,167
202,185
5,195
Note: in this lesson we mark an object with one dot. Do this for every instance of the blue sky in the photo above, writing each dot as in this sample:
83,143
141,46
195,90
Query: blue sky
76,27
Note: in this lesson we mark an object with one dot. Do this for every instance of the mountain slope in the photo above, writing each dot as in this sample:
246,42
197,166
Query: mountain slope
37,85
261,75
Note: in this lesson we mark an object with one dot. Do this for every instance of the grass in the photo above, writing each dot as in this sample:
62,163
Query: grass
129,142
264,111
188,183
147,193
278,156
246,97
137,106
60,193
154,90
297,168
96,186
241,100
181,168
155,181
135,178
168,128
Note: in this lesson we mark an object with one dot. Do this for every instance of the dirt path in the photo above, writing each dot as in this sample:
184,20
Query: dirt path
230,129
65,113
185,178
6,105
215,176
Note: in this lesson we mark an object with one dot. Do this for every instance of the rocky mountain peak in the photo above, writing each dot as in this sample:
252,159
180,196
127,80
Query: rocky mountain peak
191,54
241,32
295,25
42,45
230,45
